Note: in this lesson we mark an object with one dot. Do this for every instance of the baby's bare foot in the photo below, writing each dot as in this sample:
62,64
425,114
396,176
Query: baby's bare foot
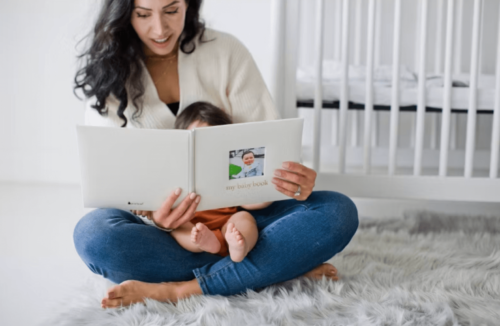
236,243
326,269
204,238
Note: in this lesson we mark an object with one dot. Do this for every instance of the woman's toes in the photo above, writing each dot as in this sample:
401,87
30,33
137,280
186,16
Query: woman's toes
115,303
117,291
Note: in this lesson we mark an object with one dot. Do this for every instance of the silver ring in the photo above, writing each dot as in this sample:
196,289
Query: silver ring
297,193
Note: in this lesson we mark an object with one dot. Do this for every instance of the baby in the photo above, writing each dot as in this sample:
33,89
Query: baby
224,231
251,168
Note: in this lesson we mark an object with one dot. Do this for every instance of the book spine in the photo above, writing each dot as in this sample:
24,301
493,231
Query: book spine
192,183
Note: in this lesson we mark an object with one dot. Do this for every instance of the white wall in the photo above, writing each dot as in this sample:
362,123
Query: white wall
38,108
249,21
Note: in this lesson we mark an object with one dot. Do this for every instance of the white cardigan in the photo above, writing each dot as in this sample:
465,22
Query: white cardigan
221,72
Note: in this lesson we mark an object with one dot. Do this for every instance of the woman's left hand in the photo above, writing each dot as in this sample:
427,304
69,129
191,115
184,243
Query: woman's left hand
291,177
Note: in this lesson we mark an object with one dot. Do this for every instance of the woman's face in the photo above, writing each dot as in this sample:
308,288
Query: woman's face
159,24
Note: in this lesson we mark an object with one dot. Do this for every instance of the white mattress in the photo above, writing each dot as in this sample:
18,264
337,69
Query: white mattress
383,90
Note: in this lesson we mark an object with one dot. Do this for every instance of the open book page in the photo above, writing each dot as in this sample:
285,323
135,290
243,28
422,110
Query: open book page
235,164
132,169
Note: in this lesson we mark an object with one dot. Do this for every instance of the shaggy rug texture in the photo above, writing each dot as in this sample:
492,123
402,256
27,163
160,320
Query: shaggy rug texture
423,269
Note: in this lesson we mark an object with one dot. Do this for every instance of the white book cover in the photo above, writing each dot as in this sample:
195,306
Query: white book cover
136,169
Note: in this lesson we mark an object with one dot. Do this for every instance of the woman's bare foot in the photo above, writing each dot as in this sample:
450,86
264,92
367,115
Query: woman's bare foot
325,269
236,243
205,239
130,292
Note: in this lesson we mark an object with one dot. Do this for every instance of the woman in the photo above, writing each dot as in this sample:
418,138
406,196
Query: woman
148,60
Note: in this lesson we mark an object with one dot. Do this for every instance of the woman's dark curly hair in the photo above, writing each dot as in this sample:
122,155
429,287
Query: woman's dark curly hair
112,62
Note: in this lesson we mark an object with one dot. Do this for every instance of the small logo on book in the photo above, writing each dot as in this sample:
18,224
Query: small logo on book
135,203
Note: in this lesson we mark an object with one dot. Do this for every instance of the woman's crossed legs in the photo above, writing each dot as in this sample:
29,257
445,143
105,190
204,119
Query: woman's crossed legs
295,238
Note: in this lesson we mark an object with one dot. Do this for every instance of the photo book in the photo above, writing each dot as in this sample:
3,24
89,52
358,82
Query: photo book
229,165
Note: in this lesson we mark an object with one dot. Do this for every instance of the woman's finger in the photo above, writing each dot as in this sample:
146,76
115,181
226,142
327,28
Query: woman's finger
293,187
170,220
188,215
292,177
298,168
286,192
183,206
166,207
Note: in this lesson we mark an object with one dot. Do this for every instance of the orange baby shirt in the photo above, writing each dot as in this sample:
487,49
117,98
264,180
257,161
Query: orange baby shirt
215,219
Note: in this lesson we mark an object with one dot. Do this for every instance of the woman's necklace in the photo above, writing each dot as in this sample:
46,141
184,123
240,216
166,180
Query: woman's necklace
169,58
164,63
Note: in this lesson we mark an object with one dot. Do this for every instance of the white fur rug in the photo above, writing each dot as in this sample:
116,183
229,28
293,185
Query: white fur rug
425,269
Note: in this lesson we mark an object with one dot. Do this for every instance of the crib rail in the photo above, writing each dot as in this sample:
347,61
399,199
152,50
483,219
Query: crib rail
450,13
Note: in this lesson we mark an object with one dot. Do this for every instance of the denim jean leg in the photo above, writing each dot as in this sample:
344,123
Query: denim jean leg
119,246
295,238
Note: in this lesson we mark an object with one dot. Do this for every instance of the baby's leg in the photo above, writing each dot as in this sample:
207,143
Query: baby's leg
196,238
241,234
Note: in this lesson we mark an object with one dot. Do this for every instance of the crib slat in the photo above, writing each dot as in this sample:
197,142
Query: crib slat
357,33
357,61
278,9
458,66
481,36
458,30
471,113
458,36
438,66
419,137
495,135
445,121
337,57
417,43
413,128
369,87
292,24
338,29
318,94
393,142
378,33
344,91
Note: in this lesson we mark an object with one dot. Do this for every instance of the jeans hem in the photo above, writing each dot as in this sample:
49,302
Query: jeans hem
201,281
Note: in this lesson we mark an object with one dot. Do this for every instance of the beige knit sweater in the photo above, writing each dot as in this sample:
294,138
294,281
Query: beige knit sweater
221,72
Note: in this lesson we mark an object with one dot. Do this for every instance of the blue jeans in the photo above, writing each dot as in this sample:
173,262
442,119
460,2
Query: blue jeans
294,237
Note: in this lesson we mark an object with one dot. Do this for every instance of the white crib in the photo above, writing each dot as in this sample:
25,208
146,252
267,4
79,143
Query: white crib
369,169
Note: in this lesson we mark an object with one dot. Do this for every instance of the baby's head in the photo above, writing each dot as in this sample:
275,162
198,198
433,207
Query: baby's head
201,114
248,157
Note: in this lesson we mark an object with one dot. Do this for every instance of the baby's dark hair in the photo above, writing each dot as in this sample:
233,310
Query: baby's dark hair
204,112
247,152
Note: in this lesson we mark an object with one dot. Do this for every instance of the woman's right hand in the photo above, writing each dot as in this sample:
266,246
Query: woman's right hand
169,218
